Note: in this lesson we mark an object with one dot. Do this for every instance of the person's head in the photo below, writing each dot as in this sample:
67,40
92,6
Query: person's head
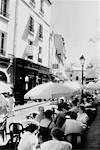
81,108
73,115
31,128
74,102
48,114
41,109
61,100
57,133
88,99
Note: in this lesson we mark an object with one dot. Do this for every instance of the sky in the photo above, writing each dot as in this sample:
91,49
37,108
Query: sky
78,22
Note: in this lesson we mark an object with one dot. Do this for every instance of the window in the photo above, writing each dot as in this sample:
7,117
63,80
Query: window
40,54
40,31
31,25
30,55
3,9
41,6
2,43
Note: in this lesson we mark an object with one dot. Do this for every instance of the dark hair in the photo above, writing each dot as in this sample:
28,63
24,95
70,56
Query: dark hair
31,127
57,133
61,100
75,101
48,114
73,115
88,99
82,107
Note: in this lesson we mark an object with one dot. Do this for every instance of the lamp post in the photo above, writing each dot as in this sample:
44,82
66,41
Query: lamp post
82,61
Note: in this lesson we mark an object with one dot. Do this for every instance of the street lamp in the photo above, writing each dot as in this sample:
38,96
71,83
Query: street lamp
82,61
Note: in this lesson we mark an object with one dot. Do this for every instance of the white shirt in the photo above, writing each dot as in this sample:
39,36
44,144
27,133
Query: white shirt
45,122
56,145
82,117
72,126
28,141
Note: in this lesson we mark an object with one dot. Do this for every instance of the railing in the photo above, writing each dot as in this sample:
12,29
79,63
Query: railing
3,13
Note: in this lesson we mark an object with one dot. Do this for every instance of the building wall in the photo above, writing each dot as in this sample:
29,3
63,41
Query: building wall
7,26
73,74
22,18
54,60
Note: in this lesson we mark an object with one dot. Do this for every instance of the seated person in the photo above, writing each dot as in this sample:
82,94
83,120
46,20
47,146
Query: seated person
28,140
47,118
41,115
62,106
72,126
95,99
81,115
44,128
74,106
57,142
59,120
87,102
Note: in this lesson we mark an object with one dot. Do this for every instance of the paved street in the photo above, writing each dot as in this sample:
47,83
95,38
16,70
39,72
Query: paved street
22,111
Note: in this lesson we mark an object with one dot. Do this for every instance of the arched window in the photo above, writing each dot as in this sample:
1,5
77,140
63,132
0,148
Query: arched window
3,77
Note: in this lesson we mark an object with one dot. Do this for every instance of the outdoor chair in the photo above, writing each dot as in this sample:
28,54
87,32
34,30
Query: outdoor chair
15,131
76,139
3,129
45,133
91,114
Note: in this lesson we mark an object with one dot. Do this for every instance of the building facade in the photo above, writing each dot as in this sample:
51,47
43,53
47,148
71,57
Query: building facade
57,56
7,15
27,43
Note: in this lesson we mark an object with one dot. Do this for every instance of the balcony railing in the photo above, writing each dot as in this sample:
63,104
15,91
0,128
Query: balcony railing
3,13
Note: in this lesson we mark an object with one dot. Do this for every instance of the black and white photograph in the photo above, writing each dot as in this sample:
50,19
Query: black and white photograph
49,74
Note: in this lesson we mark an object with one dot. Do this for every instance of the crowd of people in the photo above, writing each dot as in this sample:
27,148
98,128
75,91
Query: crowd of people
75,116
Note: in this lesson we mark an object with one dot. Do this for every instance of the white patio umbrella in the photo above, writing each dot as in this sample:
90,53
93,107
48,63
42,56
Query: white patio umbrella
97,85
49,90
4,87
73,84
90,86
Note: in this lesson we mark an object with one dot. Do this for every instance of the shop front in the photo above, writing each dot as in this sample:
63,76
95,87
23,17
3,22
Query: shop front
27,75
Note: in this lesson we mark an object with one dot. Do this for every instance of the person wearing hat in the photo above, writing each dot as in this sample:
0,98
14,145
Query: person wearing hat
57,142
